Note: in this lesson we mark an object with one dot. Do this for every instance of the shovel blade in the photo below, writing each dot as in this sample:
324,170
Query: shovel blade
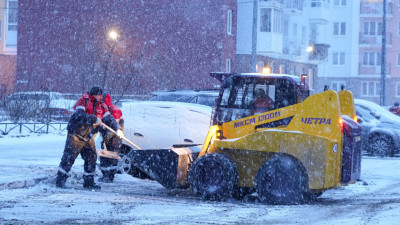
107,154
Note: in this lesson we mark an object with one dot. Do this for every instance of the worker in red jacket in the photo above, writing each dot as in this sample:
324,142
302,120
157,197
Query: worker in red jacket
100,104
262,103
395,109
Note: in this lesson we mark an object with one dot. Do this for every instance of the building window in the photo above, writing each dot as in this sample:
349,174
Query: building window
397,89
398,59
337,85
315,3
228,65
278,21
373,28
398,31
265,20
339,58
339,29
11,25
12,15
370,88
229,22
339,2
371,59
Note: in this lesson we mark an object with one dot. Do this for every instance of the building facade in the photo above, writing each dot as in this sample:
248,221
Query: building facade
8,46
370,55
64,45
278,39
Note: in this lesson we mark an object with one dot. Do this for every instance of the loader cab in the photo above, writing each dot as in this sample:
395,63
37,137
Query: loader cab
240,94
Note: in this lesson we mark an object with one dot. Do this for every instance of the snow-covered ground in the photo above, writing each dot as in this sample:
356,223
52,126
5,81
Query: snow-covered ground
374,200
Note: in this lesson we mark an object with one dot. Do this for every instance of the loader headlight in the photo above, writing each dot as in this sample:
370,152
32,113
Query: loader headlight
219,134
341,124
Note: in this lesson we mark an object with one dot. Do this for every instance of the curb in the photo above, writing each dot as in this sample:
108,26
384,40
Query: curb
22,184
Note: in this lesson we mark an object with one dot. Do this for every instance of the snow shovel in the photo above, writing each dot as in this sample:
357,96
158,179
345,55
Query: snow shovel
123,137
109,154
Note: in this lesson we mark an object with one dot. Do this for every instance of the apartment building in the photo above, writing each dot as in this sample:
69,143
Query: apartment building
8,46
370,45
335,24
282,37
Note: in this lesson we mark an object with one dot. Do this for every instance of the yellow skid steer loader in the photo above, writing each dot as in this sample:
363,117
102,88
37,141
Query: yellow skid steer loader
269,136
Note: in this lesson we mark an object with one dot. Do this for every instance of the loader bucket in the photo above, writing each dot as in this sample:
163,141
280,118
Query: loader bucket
169,167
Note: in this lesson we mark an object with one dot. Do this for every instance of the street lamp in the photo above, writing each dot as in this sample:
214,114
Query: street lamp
310,49
113,35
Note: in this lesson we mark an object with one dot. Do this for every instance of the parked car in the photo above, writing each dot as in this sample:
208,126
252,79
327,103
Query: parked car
202,97
160,125
381,129
40,106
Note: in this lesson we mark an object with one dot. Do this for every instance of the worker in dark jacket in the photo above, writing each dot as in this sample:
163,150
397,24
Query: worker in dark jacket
98,103
82,128
112,143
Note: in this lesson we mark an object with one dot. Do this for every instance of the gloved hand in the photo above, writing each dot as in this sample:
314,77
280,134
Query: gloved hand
98,122
120,134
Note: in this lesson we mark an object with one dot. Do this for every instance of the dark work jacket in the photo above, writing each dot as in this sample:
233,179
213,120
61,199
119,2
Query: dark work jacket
111,122
80,127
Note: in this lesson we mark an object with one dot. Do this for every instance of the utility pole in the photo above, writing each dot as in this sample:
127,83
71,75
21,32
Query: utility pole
383,56
254,38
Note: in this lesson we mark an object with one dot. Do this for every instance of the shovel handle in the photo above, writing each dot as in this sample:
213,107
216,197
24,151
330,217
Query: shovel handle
123,137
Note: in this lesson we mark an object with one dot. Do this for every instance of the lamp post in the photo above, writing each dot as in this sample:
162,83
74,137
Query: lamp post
254,38
113,35
310,49
383,56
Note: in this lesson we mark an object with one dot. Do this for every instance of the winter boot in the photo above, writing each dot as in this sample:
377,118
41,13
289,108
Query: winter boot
107,177
61,179
88,182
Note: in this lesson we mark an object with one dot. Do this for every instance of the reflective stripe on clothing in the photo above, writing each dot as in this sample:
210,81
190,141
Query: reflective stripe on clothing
63,171
80,107
108,168
89,174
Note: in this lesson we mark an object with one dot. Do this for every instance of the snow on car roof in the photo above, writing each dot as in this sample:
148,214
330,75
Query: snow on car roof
385,114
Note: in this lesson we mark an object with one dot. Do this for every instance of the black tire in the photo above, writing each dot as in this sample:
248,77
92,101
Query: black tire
213,176
281,181
381,145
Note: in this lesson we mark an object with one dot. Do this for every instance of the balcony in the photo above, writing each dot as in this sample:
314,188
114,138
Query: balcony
375,39
374,8
373,70
320,52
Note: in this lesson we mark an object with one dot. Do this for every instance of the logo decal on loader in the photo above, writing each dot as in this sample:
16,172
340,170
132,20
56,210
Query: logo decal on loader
259,119
307,120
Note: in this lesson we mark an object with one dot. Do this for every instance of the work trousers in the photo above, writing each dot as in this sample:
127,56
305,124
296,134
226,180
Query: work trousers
74,147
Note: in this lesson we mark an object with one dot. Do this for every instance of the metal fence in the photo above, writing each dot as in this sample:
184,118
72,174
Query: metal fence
6,128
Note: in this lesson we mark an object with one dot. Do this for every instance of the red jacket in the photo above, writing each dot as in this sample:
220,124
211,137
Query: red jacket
87,103
395,110
262,105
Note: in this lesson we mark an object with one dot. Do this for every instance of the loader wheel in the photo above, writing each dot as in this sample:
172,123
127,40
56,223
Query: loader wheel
381,145
281,181
124,164
213,176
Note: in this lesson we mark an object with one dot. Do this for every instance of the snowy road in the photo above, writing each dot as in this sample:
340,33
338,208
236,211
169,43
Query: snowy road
374,200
